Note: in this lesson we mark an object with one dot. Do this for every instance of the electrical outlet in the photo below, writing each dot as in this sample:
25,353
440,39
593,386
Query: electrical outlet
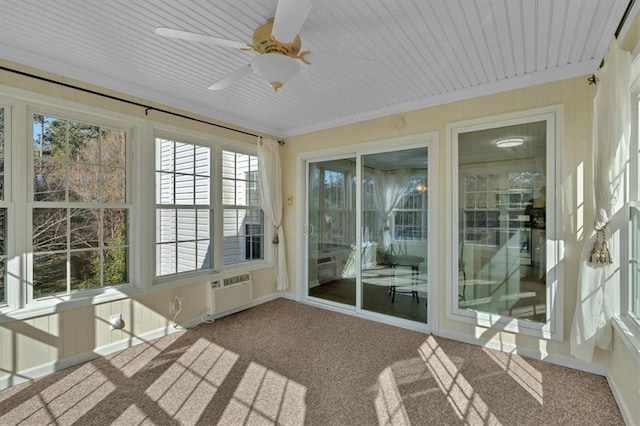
116,321
174,305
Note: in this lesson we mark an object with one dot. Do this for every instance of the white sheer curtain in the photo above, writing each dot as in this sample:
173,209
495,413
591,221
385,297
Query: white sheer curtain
597,280
271,202
389,185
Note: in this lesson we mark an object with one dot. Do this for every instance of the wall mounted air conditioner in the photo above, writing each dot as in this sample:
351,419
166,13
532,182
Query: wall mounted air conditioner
227,294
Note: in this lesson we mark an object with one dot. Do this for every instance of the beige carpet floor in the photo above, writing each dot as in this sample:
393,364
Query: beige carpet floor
288,363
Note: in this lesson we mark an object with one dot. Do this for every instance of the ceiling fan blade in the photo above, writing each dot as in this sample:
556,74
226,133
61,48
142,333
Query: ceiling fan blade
232,78
344,63
186,35
290,15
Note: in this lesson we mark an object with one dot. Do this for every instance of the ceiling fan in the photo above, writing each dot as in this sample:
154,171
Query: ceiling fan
278,46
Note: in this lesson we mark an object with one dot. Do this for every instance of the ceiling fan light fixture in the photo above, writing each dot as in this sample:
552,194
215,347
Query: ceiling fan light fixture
275,68
509,142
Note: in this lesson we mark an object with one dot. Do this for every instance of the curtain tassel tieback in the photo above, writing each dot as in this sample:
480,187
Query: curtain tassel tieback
275,239
600,254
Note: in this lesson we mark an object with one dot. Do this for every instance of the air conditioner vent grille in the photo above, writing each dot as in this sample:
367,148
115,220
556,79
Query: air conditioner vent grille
235,292
237,279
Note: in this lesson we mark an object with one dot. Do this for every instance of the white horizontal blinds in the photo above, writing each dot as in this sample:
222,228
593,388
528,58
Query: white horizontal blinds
3,216
79,211
243,224
183,211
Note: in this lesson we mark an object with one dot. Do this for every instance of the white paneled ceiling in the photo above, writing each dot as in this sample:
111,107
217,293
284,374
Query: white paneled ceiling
426,52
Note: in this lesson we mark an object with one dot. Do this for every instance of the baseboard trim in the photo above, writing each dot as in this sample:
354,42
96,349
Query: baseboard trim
290,296
563,361
617,395
51,367
254,302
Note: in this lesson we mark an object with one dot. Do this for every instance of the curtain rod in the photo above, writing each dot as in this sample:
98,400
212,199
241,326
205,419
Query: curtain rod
593,79
147,108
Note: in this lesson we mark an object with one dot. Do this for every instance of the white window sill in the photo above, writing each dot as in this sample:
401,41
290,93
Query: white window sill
53,304
629,333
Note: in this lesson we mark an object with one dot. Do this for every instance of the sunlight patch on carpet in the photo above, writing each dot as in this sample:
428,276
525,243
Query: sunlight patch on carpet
185,389
464,400
266,397
520,370
131,361
65,401
389,406
131,416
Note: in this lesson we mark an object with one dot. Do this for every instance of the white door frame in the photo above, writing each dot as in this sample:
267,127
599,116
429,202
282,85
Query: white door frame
428,140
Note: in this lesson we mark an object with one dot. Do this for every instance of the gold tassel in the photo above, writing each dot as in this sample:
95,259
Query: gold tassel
600,254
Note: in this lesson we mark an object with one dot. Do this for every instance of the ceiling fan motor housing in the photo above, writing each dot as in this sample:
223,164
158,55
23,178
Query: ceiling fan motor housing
264,42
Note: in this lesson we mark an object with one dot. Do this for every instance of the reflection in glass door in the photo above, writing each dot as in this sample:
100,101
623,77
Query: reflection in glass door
331,230
503,221
394,233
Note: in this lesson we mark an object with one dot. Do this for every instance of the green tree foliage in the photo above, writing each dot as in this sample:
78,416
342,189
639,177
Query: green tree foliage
56,136
78,163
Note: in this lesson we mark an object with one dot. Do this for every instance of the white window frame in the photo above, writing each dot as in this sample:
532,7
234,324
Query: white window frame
553,327
218,269
267,252
10,283
423,212
247,207
626,323
23,104
210,207
32,204
343,211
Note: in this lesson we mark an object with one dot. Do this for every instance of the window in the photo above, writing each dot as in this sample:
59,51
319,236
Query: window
183,207
494,200
371,218
79,211
634,261
3,216
504,225
633,305
243,219
410,214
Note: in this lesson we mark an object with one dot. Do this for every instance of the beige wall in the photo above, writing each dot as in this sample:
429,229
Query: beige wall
624,377
47,339
576,96
75,332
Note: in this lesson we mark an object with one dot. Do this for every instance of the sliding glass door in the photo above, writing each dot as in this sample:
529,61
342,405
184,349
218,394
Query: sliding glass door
366,238
331,230
394,233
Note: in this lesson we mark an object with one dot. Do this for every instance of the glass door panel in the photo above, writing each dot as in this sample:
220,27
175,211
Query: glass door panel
394,233
331,219
502,216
